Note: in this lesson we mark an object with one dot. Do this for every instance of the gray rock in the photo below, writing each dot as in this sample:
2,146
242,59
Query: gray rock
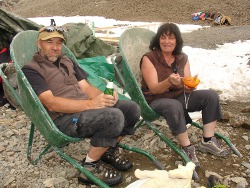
246,164
2,148
246,109
56,183
8,182
246,124
241,182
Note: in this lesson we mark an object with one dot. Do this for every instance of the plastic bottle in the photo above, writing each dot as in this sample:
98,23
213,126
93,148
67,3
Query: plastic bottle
74,121
109,90
73,129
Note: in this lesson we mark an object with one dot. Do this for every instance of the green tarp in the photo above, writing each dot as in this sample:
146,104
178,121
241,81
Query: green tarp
81,41
100,71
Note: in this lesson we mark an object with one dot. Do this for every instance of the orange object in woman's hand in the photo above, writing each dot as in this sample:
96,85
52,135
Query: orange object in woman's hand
191,82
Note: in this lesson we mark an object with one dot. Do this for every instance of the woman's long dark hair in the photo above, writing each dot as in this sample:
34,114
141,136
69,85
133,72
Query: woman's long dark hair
167,28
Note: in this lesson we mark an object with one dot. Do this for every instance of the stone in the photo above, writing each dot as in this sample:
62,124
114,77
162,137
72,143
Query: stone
2,148
8,182
246,124
56,182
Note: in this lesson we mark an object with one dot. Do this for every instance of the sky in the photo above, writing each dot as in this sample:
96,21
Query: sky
225,69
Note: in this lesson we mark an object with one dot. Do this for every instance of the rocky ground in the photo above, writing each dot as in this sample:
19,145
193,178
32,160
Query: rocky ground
52,171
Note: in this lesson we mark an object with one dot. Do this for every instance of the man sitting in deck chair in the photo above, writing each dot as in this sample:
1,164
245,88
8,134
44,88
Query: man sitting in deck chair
61,86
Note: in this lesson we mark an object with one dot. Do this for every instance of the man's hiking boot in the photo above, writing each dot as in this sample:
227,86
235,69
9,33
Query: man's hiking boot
100,170
214,147
113,157
190,152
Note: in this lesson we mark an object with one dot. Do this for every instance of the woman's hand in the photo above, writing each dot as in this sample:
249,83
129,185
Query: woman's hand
189,89
175,79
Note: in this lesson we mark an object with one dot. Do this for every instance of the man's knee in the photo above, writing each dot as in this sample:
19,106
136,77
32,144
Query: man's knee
114,115
135,110
116,119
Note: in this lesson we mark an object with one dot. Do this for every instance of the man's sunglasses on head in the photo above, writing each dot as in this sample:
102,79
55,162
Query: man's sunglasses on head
53,28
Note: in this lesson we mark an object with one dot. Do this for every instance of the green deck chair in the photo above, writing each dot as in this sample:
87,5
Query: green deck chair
22,49
133,44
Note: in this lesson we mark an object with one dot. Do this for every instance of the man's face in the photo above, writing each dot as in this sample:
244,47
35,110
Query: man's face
50,49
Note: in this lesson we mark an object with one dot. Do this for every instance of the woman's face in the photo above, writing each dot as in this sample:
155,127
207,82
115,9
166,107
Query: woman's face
167,42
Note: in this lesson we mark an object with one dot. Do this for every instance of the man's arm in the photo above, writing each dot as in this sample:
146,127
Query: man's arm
63,105
96,100
87,88
58,104
90,90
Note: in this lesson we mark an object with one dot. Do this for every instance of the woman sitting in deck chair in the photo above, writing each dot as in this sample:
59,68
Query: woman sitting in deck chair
79,109
162,70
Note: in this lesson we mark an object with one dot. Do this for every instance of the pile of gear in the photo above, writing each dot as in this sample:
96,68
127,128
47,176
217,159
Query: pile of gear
217,18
